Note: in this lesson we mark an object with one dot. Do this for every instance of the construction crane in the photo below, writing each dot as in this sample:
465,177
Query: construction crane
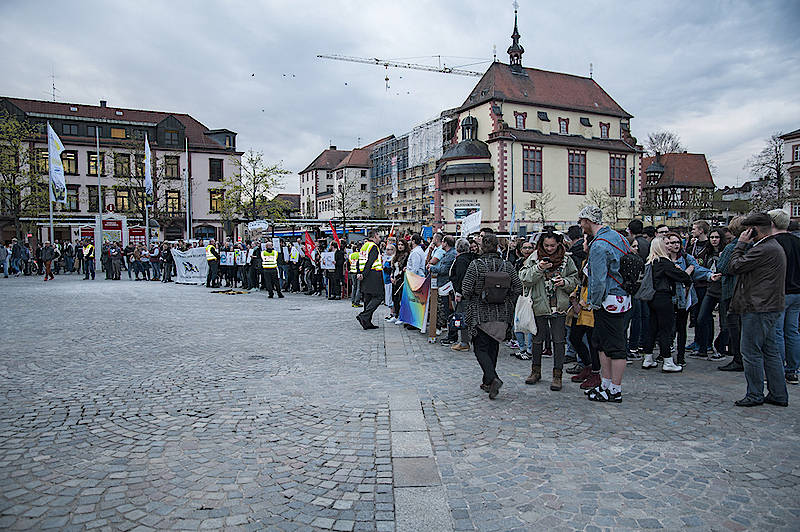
386,63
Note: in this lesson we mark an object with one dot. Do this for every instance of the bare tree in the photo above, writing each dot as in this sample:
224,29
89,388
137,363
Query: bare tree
347,199
767,167
23,181
249,193
663,142
543,207
612,206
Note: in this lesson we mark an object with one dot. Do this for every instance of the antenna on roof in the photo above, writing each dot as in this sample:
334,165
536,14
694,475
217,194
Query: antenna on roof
494,53
54,84
591,70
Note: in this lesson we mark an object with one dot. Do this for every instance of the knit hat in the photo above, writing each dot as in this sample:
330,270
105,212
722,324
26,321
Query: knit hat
780,218
592,213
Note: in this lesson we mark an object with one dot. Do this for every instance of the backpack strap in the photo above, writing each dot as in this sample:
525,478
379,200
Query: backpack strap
615,247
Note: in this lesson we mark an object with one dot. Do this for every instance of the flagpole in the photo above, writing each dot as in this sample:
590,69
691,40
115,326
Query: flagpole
186,190
50,191
99,193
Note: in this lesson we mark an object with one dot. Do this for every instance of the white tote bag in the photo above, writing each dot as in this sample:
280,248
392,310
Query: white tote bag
524,320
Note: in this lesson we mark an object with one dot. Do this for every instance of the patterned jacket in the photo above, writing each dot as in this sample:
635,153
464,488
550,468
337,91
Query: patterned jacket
472,286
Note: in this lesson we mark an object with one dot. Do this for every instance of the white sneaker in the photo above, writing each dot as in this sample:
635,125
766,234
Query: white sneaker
390,319
438,332
670,367
648,362
398,322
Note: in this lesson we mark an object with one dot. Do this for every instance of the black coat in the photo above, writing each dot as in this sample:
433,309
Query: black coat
666,274
372,283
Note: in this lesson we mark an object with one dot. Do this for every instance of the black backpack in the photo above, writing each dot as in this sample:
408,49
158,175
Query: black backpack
496,285
631,268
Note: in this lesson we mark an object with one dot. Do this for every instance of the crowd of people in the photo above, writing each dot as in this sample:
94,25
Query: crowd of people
604,299
601,299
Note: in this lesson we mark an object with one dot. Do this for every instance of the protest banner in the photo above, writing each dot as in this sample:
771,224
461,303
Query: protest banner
328,260
191,266
414,303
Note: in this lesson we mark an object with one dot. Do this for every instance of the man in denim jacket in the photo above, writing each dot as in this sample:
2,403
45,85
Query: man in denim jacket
609,302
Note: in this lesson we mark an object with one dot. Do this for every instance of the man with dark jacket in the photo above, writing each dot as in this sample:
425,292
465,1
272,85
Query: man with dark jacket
788,336
47,255
759,299
640,319
486,320
370,273
457,273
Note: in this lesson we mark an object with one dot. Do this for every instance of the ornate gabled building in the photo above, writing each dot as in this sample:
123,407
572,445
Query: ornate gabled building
317,181
677,186
537,142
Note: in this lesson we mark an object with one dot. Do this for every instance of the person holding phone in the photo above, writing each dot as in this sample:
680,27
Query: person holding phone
759,299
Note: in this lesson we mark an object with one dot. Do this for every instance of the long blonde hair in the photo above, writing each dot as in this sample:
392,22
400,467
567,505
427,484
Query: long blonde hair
657,250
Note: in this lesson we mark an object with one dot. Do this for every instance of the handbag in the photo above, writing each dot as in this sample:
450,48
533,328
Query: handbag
646,290
524,319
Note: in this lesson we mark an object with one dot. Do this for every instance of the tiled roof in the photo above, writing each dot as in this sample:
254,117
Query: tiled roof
358,158
327,160
791,134
543,88
572,141
195,131
682,169
292,199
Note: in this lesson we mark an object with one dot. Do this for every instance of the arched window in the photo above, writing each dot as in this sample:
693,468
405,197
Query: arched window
469,128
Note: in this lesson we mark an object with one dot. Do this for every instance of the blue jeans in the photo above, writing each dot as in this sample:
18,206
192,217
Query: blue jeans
704,330
7,264
760,356
88,267
521,340
787,336
156,269
640,324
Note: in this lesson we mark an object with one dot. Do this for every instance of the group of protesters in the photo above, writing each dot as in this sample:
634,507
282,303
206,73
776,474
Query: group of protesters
589,315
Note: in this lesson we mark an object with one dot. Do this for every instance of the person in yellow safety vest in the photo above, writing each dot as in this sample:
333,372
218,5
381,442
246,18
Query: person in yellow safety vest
354,282
212,257
269,263
370,273
88,260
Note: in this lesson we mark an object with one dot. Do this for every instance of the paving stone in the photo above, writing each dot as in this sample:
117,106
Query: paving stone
422,510
415,472
411,444
405,420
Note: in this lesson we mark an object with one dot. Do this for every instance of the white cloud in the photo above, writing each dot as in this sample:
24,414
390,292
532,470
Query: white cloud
722,75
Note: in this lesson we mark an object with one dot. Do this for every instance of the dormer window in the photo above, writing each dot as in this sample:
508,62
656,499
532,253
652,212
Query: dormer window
585,122
604,130
543,116
563,126
520,119
228,142
469,128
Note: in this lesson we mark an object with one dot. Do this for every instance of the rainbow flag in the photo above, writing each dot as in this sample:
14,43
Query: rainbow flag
414,303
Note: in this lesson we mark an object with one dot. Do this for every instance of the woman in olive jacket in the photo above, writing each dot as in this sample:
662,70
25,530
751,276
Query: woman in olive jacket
549,276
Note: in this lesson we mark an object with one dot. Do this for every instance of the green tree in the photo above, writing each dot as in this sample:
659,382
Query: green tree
23,178
249,193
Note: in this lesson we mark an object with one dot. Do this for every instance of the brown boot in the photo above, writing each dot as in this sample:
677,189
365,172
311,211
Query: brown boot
535,376
556,384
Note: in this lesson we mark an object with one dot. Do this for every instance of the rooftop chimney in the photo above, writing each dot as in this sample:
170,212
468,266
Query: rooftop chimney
333,147
103,103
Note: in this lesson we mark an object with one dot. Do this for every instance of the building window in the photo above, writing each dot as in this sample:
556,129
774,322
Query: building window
171,167
69,129
363,187
215,169
171,138
118,133
543,116
363,173
215,197
531,169
72,198
585,122
364,204
796,210
520,118
139,165
42,161
122,164
796,152
138,134
91,159
577,171
617,174
563,126
122,199
94,131
173,201
604,130
91,191
796,183
70,161
329,188
228,143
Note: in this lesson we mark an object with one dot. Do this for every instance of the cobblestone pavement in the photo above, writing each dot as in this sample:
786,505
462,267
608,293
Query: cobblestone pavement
144,406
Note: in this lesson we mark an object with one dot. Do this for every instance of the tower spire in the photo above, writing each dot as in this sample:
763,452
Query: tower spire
515,51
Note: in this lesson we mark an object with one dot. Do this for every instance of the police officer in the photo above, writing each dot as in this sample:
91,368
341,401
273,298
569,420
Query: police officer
370,275
269,262
355,284
212,257
88,260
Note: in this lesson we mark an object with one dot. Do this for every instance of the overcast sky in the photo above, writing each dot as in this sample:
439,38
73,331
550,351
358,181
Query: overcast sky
723,75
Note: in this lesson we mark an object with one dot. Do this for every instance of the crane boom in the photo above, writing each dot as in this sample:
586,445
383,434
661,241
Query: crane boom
386,63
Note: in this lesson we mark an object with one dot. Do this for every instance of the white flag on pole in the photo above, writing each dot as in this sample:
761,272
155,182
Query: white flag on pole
471,224
148,176
58,187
